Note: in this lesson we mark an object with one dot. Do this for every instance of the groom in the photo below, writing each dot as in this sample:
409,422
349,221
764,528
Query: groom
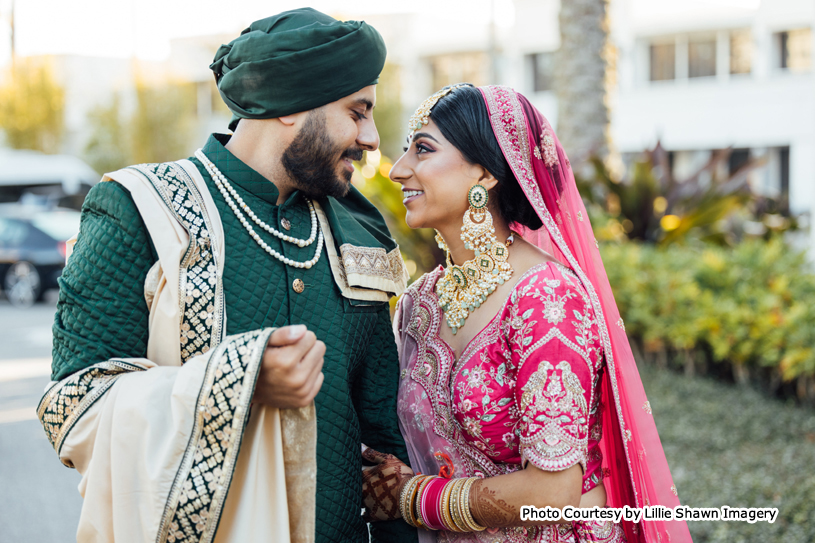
207,302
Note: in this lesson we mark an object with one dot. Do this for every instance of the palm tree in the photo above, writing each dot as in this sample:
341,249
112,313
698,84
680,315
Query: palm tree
584,72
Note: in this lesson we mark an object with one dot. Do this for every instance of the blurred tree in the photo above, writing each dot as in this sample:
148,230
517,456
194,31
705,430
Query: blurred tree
651,205
32,106
583,76
107,149
388,113
162,123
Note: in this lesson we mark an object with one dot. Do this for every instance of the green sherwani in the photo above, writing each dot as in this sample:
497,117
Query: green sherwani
102,314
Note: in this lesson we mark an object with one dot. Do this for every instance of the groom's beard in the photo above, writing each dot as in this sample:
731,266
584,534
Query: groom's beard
313,159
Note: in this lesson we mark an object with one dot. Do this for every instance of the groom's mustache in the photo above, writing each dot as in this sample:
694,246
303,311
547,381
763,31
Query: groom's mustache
354,153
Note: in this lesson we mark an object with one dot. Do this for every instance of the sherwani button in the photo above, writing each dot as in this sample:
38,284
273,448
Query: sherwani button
285,223
298,286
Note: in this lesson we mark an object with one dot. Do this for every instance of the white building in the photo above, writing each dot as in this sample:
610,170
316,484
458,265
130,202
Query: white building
718,77
696,76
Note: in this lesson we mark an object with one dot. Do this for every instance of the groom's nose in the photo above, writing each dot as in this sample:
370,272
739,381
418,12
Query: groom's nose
368,137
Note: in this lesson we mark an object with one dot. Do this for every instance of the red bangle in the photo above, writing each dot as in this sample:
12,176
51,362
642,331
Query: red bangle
431,504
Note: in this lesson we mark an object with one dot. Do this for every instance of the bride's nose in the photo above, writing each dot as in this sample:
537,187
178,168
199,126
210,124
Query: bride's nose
400,172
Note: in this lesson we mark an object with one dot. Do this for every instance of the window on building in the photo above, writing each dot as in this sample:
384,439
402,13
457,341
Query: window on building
794,49
738,159
542,68
459,68
702,57
784,177
663,61
741,52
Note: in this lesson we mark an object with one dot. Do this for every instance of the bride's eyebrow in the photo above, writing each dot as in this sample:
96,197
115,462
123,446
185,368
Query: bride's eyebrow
418,135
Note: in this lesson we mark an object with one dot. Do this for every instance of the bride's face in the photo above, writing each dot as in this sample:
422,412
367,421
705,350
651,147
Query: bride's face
435,179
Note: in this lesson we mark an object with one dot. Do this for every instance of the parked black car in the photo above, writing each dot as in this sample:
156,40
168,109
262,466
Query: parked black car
32,250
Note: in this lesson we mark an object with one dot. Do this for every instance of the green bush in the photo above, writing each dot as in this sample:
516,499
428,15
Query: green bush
729,445
746,311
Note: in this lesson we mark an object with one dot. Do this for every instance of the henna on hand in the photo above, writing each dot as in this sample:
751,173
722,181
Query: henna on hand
490,511
382,485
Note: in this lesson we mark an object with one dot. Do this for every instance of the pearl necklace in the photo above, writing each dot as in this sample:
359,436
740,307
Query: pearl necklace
228,193
199,154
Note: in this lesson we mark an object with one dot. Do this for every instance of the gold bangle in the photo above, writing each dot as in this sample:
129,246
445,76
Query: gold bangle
460,506
403,500
455,511
417,503
444,506
465,503
411,505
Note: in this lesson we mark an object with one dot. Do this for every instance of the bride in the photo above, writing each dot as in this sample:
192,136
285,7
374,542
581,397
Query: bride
517,383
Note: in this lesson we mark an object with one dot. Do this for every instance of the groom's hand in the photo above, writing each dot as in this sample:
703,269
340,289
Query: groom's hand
290,374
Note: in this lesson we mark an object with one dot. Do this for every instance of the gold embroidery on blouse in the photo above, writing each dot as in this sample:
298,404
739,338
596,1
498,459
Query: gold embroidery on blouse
548,391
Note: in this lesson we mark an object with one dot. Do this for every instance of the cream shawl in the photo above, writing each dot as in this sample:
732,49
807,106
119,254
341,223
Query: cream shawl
159,444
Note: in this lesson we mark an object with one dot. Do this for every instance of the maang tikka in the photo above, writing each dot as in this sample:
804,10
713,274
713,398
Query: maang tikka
464,288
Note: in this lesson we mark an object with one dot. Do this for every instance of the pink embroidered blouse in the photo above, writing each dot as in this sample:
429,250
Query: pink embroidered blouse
525,389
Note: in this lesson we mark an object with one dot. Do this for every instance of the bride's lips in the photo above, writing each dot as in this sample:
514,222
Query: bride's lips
410,195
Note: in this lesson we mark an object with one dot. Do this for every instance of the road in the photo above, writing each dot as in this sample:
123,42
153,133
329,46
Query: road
39,500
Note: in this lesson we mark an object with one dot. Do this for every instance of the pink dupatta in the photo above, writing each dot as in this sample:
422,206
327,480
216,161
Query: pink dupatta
636,471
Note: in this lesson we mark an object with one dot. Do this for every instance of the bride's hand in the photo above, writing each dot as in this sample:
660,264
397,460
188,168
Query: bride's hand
382,484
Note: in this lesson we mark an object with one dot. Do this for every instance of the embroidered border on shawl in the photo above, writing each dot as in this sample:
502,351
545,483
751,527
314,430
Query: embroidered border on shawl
65,402
373,291
200,288
509,125
373,266
199,490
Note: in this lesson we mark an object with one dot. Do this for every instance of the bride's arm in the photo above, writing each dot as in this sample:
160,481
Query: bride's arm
497,501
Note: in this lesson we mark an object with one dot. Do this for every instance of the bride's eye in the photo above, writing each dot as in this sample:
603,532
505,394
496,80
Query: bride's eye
421,148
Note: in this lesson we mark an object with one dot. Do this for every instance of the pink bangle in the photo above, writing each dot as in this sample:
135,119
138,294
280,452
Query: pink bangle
431,504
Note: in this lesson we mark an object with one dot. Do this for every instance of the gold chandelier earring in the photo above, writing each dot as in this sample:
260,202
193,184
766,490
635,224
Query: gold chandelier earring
464,288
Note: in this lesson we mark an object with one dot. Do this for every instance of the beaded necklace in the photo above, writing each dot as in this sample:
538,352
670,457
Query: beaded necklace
229,193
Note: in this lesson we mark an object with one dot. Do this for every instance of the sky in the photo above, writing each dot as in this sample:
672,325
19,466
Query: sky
144,28
121,28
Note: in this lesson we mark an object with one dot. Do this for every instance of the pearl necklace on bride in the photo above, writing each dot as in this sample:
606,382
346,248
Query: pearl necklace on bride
229,193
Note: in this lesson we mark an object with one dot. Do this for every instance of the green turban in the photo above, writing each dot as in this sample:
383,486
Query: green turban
296,61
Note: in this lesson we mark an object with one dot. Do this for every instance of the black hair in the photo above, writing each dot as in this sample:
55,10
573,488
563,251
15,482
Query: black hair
462,118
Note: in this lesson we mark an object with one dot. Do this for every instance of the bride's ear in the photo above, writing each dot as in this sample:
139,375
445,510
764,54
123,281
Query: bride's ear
487,179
